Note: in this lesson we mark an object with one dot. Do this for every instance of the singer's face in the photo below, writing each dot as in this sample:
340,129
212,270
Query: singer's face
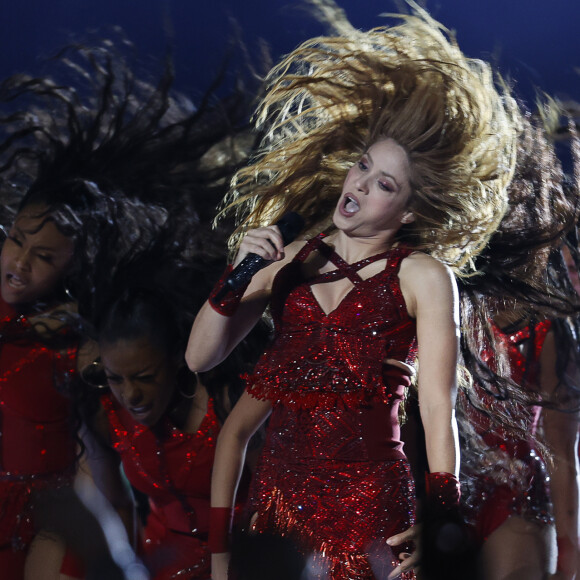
376,192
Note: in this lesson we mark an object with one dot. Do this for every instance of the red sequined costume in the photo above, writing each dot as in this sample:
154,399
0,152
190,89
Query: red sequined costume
174,470
333,474
37,441
510,477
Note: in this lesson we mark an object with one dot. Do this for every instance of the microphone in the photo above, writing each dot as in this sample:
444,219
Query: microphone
290,225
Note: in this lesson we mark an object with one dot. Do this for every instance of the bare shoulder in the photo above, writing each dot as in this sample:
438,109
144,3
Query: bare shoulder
424,281
425,267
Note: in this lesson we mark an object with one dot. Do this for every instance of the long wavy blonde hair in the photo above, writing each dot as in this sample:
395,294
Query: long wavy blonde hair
332,97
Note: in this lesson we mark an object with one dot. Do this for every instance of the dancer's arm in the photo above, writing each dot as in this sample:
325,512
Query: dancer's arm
104,464
215,335
246,417
561,435
431,295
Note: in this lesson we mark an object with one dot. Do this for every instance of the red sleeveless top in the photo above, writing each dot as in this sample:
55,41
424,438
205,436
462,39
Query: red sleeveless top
510,478
319,358
37,430
37,435
173,470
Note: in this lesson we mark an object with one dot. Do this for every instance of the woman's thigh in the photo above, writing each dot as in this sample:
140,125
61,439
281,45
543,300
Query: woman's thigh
519,550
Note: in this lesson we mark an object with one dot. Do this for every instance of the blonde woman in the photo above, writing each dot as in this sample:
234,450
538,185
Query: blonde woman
398,149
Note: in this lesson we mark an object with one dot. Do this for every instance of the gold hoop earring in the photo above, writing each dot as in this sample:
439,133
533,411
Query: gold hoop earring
94,375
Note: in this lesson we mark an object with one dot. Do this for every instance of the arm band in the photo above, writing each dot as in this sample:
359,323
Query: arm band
443,489
223,300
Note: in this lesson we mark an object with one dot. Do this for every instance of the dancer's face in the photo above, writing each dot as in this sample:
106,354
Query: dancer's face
34,259
376,192
142,377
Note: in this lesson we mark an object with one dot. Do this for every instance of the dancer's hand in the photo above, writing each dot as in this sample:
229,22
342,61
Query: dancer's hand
219,566
408,561
266,242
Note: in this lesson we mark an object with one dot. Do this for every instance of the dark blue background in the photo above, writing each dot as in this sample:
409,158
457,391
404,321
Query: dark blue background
536,42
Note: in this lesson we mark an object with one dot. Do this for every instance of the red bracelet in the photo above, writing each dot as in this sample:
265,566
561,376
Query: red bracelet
224,300
220,529
443,489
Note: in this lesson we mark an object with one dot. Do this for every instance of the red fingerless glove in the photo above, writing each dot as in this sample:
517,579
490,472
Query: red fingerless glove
443,489
224,300
220,529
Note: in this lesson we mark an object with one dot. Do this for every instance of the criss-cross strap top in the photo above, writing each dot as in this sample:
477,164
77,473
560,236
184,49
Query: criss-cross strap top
343,268
342,351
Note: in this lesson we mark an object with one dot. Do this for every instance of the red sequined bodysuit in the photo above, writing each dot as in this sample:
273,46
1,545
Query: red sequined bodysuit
332,474
37,442
509,478
173,469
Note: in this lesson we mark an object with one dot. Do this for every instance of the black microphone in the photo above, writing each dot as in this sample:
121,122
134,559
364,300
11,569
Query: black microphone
290,225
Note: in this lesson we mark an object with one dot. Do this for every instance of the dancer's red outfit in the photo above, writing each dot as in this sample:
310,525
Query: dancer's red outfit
37,436
333,474
519,485
173,469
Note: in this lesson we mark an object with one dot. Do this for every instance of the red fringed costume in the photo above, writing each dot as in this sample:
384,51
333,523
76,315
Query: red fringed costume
174,470
510,478
333,475
37,436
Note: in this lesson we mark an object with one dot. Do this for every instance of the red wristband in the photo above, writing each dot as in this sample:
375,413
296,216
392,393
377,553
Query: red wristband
220,529
443,489
224,300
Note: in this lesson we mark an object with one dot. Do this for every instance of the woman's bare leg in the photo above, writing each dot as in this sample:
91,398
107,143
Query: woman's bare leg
519,550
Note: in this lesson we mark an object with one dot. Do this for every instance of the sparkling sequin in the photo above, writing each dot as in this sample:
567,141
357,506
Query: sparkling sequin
335,356
332,474
173,468
37,439
508,477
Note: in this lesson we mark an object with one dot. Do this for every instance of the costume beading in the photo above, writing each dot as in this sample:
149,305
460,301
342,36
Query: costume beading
173,469
37,441
509,477
333,474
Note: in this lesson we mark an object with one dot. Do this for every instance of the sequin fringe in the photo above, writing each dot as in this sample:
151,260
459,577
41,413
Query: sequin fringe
327,563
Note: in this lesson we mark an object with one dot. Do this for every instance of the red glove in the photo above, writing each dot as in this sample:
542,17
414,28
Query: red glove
443,489
228,300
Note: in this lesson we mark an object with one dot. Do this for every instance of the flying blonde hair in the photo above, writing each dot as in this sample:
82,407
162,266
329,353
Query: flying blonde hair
332,97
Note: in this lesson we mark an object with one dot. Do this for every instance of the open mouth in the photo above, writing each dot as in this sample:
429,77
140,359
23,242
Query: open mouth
15,282
141,410
350,204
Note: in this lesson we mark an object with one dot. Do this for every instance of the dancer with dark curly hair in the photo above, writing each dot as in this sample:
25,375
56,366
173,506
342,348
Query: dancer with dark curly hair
93,159
156,418
399,149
